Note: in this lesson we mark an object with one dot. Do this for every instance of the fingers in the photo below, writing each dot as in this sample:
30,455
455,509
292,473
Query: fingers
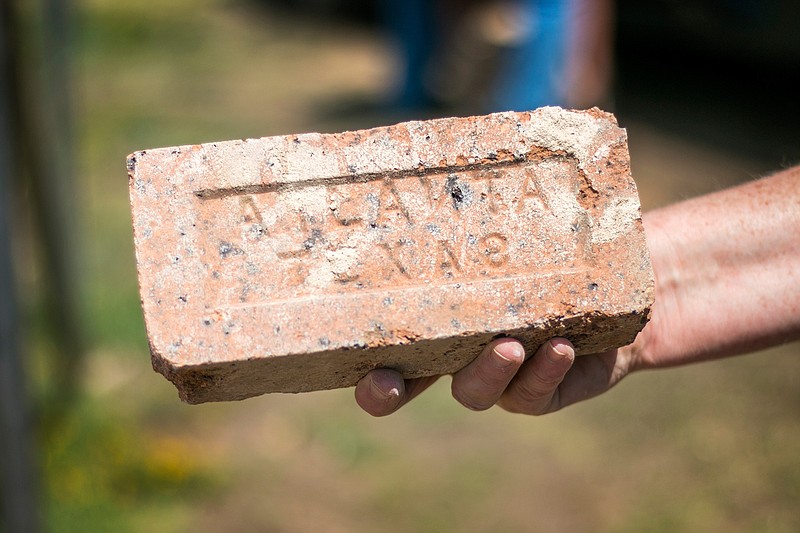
535,388
380,392
500,375
477,386
383,391
480,384
592,375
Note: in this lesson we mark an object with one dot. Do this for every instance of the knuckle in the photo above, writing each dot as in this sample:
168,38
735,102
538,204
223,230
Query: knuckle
516,406
526,395
471,403
546,381
533,399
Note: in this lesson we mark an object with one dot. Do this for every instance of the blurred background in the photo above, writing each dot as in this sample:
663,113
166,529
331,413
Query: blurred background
93,440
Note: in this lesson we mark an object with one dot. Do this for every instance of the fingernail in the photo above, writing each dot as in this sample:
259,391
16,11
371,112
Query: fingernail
515,355
558,352
383,395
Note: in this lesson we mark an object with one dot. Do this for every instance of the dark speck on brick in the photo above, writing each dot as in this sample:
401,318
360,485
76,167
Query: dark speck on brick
460,192
227,249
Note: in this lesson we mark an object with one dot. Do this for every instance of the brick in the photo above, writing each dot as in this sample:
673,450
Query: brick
298,263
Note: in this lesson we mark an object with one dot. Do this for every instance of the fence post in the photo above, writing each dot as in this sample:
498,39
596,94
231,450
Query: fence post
19,511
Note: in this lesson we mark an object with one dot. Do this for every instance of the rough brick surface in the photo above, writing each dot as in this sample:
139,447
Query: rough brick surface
298,263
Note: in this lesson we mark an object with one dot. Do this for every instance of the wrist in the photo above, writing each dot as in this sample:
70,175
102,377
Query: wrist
651,347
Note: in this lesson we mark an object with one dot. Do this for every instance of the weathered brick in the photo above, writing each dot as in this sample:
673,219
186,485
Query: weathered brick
298,263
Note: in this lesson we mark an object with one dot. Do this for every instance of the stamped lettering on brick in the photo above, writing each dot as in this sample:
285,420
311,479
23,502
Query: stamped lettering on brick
387,234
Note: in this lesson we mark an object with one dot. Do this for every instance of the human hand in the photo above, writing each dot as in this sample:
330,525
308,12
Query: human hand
553,378
699,250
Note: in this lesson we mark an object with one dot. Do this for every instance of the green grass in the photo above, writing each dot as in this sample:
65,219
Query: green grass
106,471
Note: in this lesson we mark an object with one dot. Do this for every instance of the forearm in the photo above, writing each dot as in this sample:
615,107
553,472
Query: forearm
727,269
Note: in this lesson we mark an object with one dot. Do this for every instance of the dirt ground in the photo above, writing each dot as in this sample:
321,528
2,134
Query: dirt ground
712,447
